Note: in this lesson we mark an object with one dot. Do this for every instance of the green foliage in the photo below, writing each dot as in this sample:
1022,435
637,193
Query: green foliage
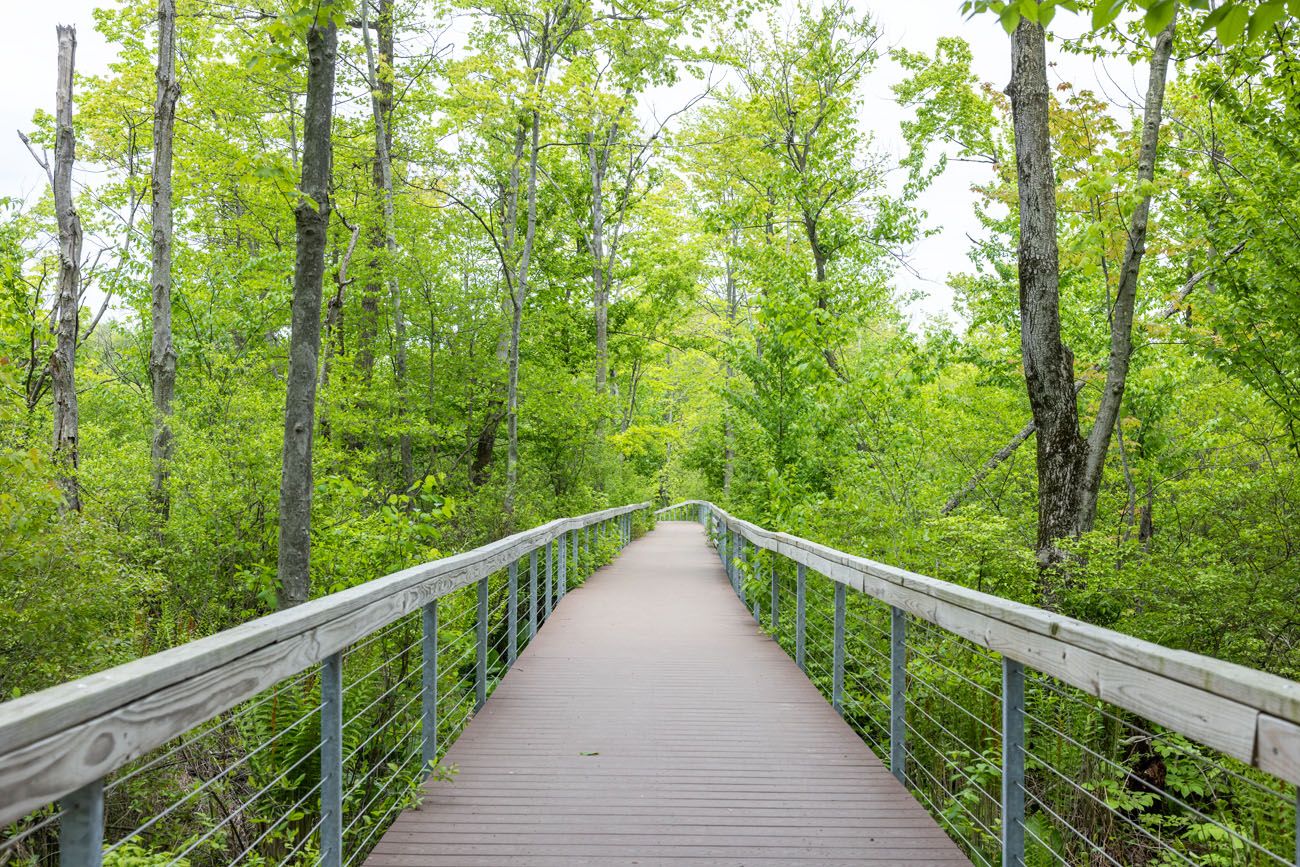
760,355
1230,20
132,855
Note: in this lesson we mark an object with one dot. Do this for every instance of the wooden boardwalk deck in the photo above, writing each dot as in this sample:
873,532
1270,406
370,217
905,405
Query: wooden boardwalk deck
652,723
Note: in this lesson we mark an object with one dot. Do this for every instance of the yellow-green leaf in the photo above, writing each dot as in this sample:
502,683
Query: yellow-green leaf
1159,16
1234,21
1263,19
1104,12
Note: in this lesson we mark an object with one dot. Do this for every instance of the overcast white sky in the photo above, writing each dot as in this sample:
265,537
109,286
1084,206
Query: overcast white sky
27,71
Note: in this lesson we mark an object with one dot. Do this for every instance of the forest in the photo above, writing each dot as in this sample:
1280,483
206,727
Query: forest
321,289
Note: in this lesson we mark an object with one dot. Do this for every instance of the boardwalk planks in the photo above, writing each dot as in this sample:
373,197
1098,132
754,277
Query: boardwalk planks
653,720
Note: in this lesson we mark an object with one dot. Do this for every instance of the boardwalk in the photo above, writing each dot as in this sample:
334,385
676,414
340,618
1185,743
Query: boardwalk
651,722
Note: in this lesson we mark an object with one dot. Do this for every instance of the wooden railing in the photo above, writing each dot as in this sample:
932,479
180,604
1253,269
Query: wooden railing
60,744
1248,715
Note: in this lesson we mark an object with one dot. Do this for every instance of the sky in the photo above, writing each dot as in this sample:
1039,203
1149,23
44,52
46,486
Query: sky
27,61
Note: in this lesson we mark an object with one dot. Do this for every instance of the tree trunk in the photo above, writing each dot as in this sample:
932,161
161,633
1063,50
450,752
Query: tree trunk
1069,467
333,338
512,412
599,287
1121,316
381,103
728,431
311,219
162,353
1049,374
68,305
519,296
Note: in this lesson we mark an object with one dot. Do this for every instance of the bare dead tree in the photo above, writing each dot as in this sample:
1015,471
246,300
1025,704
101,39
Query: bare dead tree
162,352
68,304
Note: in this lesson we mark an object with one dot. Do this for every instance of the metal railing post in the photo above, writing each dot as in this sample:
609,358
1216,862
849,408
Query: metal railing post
1013,763
481,644
550,586
800,617
837,673
577,564
775,612
562,563
898,692
81,827
532,594
732,553
742,556
722,550
429,686
512,612
731,561
331,761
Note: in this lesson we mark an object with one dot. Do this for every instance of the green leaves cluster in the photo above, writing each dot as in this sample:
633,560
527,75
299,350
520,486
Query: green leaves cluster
1230,21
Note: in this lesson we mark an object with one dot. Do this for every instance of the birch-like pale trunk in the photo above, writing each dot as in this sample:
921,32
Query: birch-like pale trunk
1121,315
162,352
598,158
381,104
63,363
518,298
311,220
332,340
728,430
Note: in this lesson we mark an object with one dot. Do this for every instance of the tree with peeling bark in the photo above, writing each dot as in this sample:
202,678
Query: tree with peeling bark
311,220
162,350
67,309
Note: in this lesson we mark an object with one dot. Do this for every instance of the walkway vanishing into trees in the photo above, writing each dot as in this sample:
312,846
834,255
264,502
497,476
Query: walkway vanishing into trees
429,718
654,720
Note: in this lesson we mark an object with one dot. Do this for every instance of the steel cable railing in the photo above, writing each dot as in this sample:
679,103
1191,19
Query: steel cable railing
310,769
1033,739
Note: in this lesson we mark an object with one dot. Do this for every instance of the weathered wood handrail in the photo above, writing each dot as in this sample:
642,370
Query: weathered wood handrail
56,741
1250,715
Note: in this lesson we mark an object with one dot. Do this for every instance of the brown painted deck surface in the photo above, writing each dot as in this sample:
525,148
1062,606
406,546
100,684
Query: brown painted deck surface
651,722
